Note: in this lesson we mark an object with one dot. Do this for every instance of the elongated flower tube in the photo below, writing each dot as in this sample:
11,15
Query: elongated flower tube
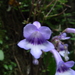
63,68
69,30
36,37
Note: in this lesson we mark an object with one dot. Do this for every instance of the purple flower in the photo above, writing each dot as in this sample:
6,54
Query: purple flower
62,47
36,39
63,68
63,36
63,50
69,30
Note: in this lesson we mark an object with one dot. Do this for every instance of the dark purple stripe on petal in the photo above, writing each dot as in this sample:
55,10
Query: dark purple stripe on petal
63,68
36,38
63,47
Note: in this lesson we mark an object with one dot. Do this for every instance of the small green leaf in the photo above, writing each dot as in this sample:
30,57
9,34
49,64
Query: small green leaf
72,38
14,64
1,42
43,70
1,55
6,37
6,67
6,46
10,67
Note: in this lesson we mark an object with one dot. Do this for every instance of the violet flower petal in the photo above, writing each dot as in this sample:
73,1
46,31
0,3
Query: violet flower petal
23,44
69,64
37,24
69,72
36,52
72,72
28,30
64,68
47,46
36,38
64,54
63,36
45,31
66,38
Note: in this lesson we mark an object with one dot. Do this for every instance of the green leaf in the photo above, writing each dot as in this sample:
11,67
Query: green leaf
1,55
6,46
6,37
13,64
10,67
43,70
1,42
72,38
6,67
63,1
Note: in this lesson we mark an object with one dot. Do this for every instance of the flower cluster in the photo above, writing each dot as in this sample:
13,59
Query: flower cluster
60,46
36,40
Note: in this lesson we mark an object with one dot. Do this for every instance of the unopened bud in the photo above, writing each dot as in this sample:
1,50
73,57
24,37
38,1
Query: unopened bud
69,30
35,62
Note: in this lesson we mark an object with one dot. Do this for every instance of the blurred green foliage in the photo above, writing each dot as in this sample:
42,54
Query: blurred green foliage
52,13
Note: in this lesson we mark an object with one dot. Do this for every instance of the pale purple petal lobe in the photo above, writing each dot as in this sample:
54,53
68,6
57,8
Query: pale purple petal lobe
63,36
28,30
45,31
48,46
36,52
72,72
37,24
68,72
69,64
23,44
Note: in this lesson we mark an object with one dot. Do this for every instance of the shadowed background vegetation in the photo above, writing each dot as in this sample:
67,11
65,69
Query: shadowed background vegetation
56,14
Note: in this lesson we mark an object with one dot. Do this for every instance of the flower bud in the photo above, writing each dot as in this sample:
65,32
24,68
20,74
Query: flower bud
69,30
35,62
